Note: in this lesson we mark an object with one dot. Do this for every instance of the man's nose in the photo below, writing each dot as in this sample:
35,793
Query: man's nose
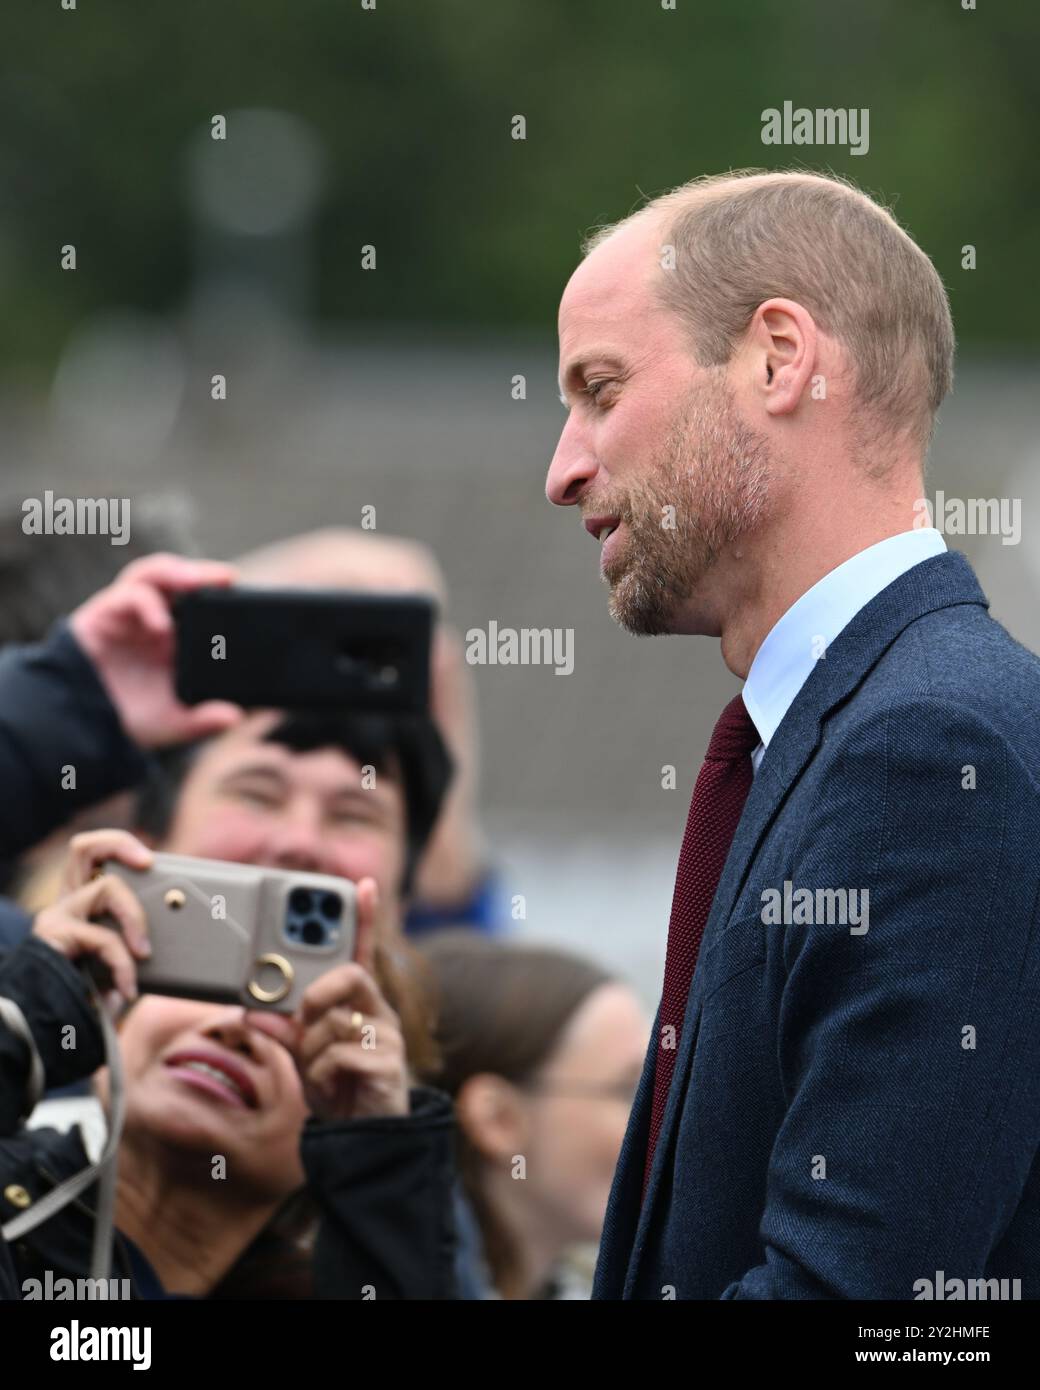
572,467
299,851
296,843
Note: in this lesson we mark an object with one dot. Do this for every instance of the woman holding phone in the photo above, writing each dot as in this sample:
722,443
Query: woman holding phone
261,1156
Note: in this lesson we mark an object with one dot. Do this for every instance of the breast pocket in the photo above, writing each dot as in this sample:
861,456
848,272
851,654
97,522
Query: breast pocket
732,990
728,1110
740,946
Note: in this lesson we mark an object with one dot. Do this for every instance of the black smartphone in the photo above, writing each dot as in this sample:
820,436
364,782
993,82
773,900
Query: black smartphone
305,648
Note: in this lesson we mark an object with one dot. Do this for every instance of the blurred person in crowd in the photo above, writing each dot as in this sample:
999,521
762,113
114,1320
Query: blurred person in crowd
541,1051
285,791
455,885
336,1175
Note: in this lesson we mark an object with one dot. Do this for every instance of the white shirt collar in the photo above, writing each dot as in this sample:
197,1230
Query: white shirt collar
793,645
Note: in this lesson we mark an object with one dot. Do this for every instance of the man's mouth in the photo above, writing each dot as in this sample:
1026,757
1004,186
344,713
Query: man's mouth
602,526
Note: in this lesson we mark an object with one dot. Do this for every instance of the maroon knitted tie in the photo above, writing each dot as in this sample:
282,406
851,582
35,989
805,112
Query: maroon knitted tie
722,787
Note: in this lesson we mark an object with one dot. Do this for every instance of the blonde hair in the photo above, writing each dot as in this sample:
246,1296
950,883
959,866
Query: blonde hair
742,238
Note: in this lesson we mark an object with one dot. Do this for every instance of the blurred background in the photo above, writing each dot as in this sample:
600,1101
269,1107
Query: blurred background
393,387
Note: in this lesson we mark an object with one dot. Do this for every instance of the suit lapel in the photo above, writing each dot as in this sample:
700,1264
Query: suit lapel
939,582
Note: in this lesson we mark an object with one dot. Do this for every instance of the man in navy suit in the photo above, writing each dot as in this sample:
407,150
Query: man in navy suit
841,1098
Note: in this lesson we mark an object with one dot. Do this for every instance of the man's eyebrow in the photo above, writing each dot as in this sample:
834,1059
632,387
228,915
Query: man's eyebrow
254,770
350,792
579,366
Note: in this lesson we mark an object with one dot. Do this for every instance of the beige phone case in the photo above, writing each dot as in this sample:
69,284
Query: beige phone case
238,932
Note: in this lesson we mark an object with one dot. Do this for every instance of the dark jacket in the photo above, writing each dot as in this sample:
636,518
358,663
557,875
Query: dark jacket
55,715
851,1113
383,1186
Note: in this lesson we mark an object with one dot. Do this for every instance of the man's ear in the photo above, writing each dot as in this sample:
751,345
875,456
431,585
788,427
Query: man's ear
783,341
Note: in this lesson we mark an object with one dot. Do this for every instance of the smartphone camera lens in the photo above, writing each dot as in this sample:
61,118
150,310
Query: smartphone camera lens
313,933
313,918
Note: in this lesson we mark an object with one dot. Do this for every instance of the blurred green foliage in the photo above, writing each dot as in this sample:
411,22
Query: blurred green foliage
413,103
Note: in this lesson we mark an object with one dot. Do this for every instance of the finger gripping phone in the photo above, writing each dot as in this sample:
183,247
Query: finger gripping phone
239,933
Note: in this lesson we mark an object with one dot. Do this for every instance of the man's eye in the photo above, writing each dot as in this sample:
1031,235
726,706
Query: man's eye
257,796
358,815
593,389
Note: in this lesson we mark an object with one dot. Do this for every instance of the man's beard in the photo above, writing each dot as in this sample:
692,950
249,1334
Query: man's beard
710,481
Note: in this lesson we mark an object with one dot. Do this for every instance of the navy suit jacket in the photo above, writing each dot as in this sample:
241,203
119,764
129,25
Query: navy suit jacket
853,1113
